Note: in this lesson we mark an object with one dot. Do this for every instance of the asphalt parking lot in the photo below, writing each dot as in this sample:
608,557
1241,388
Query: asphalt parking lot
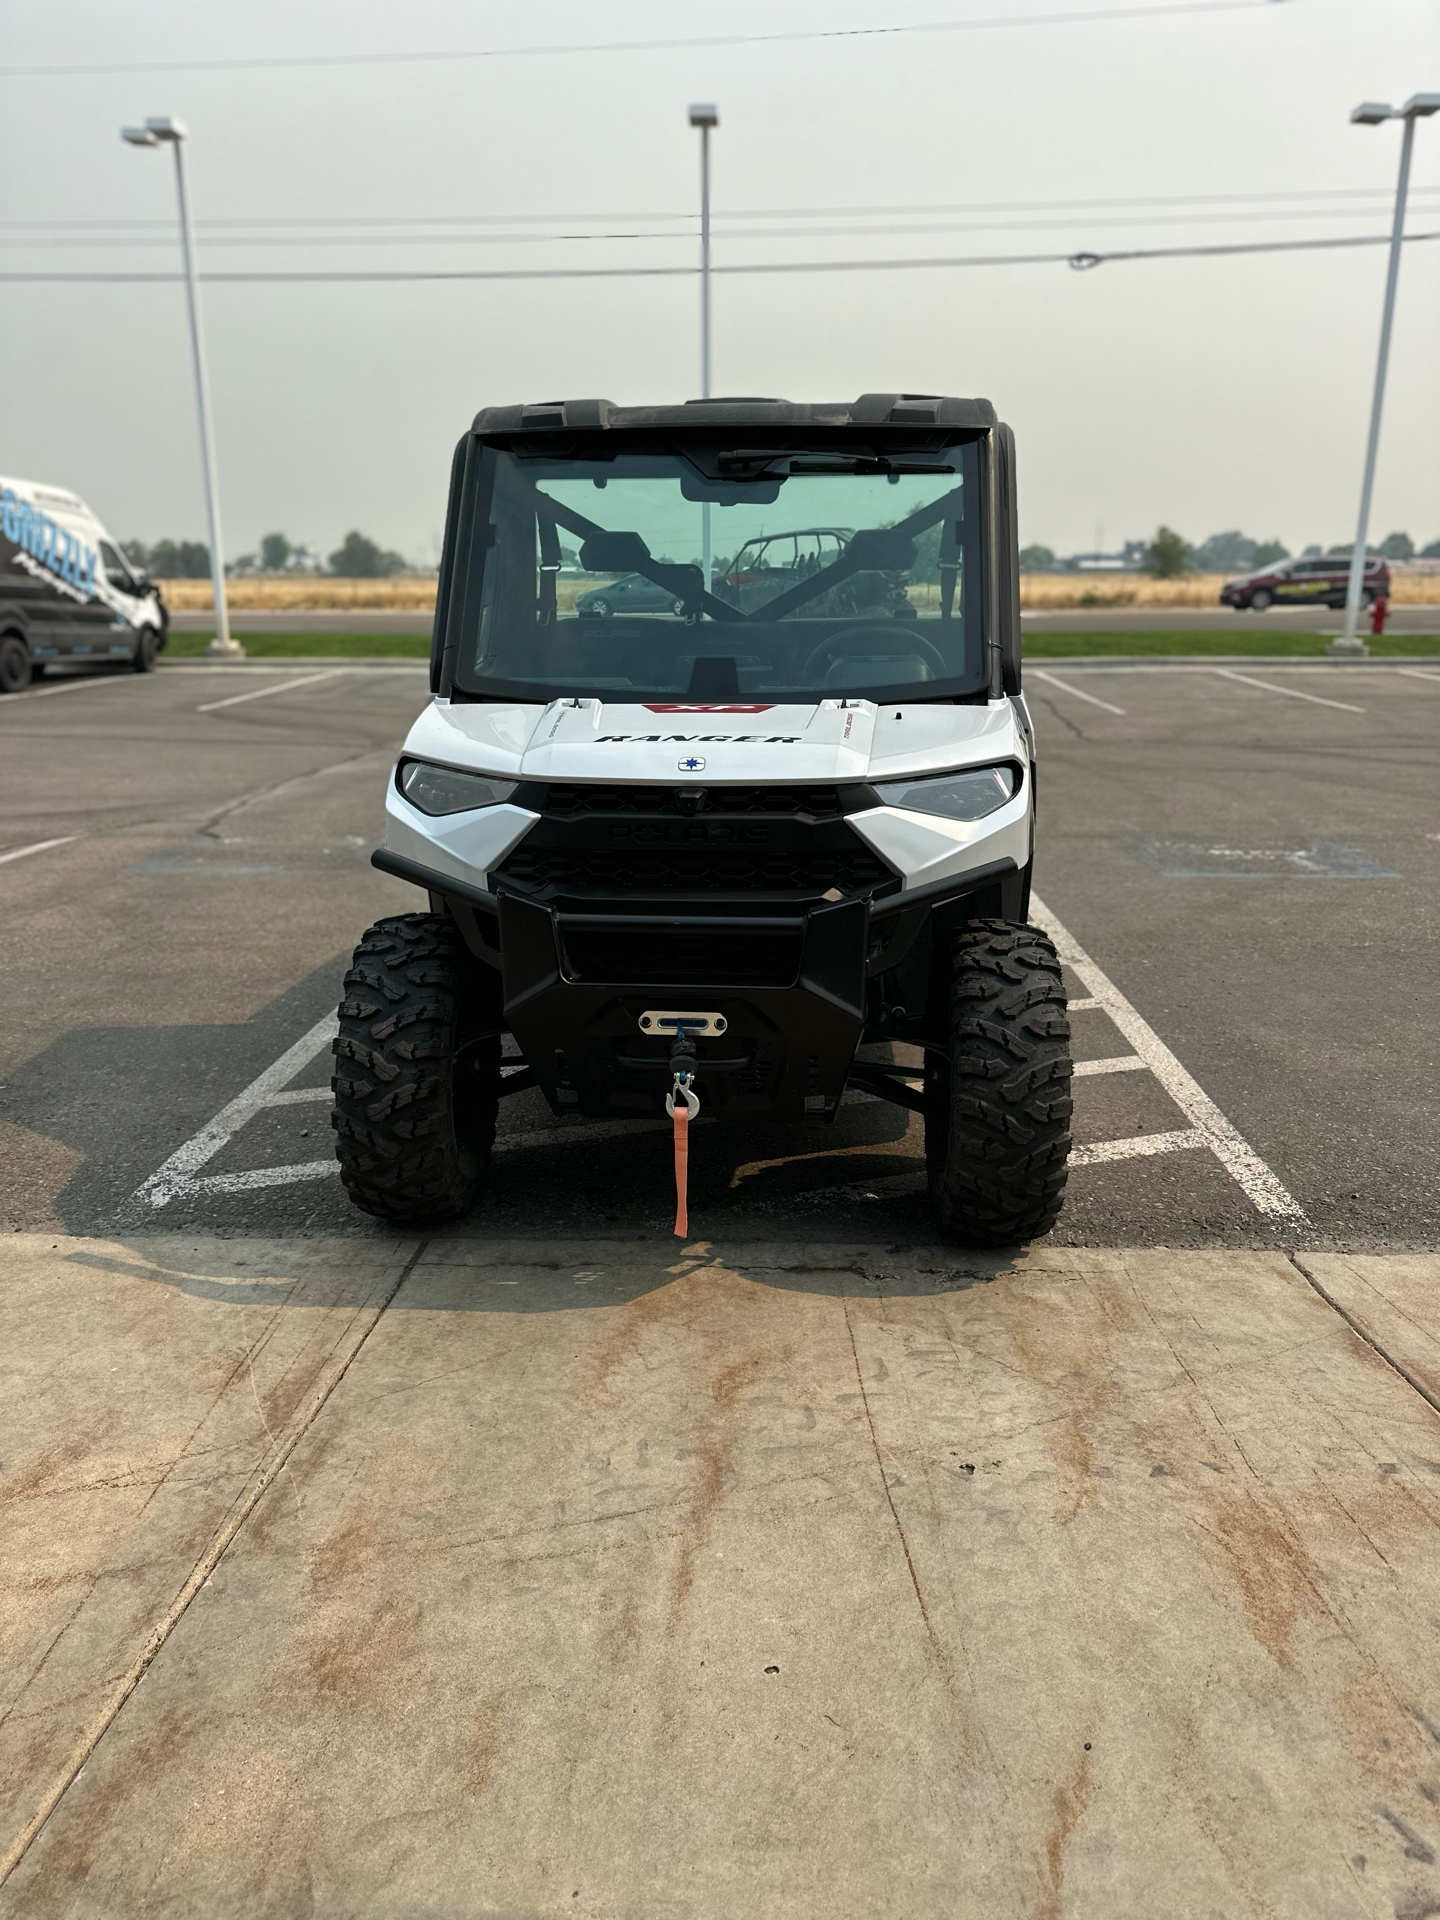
1247,860
812,1569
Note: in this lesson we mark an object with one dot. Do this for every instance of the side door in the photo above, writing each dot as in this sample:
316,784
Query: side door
89,619
123,598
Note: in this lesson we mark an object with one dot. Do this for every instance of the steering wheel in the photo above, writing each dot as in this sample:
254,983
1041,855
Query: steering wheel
883,640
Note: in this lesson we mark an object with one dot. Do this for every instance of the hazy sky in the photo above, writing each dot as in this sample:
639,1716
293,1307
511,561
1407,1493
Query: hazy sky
1207,393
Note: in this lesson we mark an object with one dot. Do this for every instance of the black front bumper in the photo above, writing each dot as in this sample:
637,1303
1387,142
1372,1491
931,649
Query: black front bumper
786,1050
794,1019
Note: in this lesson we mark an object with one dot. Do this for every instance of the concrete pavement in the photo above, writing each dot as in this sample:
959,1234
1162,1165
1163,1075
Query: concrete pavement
609,1579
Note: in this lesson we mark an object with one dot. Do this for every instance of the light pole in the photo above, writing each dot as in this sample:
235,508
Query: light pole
162,132
1370,114
705,117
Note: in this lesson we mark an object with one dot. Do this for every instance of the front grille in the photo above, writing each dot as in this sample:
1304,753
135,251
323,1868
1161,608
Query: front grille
682,957
815,803
807,872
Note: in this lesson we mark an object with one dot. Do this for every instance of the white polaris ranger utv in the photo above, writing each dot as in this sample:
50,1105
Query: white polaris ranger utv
712,847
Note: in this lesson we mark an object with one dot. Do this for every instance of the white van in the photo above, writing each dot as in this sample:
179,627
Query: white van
66,590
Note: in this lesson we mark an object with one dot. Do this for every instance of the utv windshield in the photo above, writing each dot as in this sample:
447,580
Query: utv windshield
723,574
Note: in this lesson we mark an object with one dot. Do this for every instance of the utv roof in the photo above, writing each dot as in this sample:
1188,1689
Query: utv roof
870,410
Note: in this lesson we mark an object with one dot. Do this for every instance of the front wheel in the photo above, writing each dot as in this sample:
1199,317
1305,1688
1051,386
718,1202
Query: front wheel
600,609
146,648
1260,600
417,1071
14,663
997,1098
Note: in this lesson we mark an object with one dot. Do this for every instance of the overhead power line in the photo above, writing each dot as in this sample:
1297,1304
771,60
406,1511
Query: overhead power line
721,217
1081,17
383,275
1251,216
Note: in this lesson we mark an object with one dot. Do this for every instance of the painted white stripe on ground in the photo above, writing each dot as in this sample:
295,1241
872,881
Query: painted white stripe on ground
1291,693
179,1171
68,686
38,846
1139,1145
282,686
1065,687
1417,673
1239,1158
262,1177
1120,1063
1083,1005
298,1096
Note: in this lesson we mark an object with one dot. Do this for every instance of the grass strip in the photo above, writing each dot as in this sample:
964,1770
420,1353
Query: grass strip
1038,646
324,646
1264,646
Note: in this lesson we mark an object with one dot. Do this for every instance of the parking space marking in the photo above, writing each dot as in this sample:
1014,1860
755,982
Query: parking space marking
1291,693
1065,687
69,686
37,846
1209,1129
1240,1160
282,686
1417,673
1138,1145
178,1175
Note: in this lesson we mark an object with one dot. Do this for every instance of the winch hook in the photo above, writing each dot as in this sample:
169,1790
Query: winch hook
682,1103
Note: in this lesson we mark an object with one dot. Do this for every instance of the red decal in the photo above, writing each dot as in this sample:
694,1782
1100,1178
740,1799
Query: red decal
686,706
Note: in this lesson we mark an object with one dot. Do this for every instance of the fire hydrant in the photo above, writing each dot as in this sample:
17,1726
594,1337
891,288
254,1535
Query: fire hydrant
1379,607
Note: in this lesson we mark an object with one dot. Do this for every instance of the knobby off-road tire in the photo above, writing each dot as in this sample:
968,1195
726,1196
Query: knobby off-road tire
997,1117
417,1071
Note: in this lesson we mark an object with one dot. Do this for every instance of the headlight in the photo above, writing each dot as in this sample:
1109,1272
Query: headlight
443,790
954,796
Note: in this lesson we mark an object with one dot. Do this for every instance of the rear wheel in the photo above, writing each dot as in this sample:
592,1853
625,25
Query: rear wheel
417,1071
146,648
600,609
997,1112
1261,599
14,663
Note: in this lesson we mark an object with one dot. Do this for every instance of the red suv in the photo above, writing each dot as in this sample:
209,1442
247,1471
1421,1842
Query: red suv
1319,579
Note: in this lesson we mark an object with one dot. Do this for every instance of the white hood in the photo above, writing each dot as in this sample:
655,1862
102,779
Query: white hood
826,742
829,740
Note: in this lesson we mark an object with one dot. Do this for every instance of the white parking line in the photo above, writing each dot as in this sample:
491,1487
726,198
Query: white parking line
37,846
177,1176
1292,693
1209,1128
1138,1145
256,1177
1235,1153
68,686
282,686
1065,687
1417,673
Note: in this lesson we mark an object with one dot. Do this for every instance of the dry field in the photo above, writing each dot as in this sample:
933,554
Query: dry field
1050,591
